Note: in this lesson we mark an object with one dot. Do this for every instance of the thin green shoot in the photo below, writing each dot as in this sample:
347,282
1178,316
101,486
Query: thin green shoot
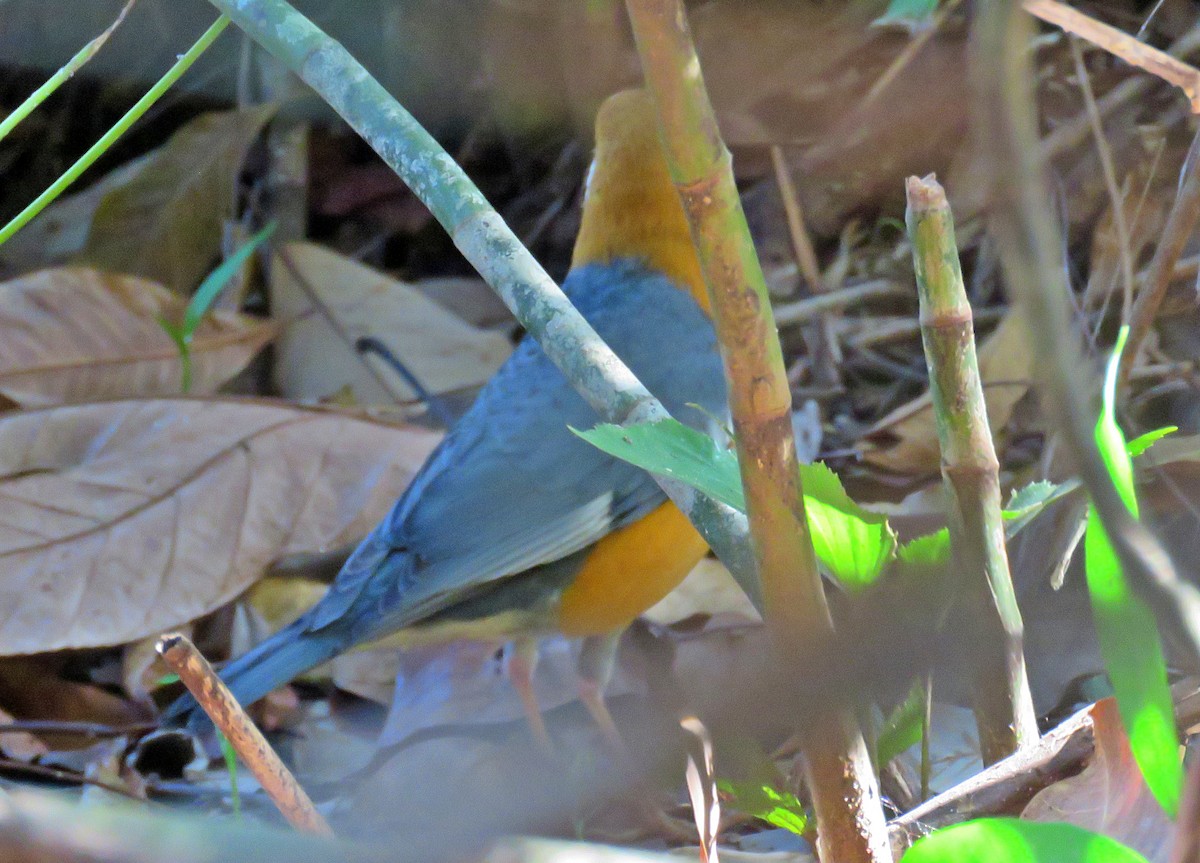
42,93
110,137
203,299
230,756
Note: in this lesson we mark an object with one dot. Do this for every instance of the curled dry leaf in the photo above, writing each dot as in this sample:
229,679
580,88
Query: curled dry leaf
74,334
122,519
315,360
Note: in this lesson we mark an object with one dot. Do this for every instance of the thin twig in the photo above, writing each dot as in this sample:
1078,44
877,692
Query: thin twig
1120,44
222,708
1116,200
1175,235
94,730
47,771
812,307
306,287
802,247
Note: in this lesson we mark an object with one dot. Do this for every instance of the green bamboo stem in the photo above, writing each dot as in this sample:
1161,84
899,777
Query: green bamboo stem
850,822
1027,238
486,242
971,473
110,137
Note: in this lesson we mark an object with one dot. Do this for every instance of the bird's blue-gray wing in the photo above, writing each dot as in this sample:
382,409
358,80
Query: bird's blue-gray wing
511,488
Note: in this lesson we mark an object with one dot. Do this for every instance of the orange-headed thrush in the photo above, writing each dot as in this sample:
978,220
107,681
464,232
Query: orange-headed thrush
515,528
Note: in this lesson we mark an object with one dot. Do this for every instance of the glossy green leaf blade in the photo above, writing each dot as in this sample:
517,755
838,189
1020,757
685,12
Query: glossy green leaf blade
852,543
1009,840
1141,443
669,448
1125,625
212,285
902,729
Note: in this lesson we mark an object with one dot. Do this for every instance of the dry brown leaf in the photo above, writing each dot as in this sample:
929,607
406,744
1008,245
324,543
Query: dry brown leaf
31,687
74,335
61,230
1005,367
314,361
166,222
1109,796
121,519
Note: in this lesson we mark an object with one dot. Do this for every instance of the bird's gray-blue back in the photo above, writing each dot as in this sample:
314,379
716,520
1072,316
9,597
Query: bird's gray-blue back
511,487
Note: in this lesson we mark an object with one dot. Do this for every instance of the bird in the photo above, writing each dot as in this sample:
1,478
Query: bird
515,529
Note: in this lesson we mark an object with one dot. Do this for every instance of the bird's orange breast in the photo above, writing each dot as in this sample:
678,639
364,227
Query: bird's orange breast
630,570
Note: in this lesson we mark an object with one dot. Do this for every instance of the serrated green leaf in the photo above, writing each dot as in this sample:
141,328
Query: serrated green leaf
853,543
1125,624
902,729
777,808
1009,840
1140,444
932,548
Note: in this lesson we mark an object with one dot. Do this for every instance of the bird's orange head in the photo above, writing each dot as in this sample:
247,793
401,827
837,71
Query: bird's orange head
631,208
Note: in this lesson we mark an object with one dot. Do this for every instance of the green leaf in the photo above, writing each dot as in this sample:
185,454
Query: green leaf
777,808
669,448
1125,624
215,282
1009,840
913,15
932,548
853,543
230,756
1140,444
902,729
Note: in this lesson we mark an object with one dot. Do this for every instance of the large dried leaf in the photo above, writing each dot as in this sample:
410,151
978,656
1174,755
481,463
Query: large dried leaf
315,360
1005,367
75,335
122,519
166,222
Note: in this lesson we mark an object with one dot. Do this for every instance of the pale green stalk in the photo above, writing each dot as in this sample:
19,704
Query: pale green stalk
110,137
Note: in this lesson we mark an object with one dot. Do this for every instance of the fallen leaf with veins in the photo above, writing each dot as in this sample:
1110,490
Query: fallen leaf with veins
122,519
73,335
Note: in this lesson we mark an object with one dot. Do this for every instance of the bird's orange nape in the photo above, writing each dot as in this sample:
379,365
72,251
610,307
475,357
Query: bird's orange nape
632,208
630,570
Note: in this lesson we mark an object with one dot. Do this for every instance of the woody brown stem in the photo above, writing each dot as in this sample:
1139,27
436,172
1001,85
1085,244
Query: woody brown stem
850,821
223,709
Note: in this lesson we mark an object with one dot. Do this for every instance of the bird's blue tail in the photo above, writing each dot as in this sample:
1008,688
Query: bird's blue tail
277,660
